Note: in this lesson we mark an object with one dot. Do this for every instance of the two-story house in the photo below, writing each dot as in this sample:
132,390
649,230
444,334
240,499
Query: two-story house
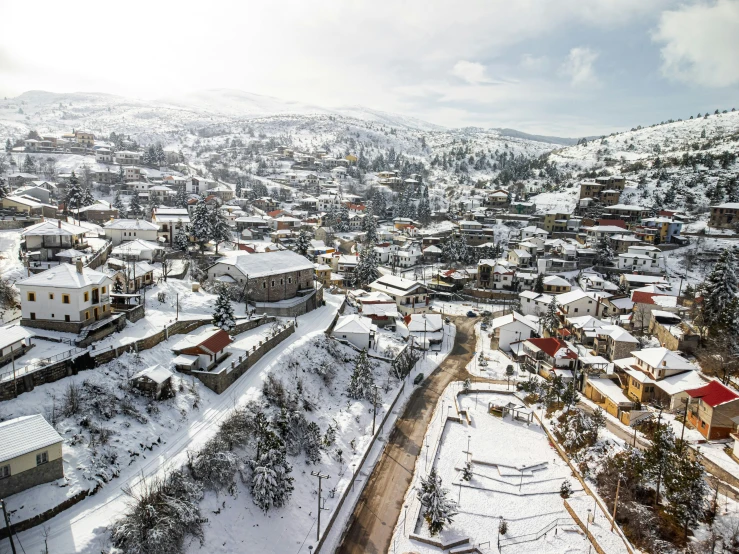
52,236
409,296
123,230
549,356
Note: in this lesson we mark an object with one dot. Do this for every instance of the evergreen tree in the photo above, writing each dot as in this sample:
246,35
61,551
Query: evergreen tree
200,224
604,252
467,471
135,208
239,186
362,381
29,166
181,240
180,199
686,491
721,287
119,205
438,510
160,155
550,321
660,456
424,208
272,484
369,225
539,284
219,228
366,271
77,196
117,286
302,243
4,188
223,316
121,175
343,218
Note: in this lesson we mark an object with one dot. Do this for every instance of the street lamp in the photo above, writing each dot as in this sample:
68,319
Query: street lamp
405,516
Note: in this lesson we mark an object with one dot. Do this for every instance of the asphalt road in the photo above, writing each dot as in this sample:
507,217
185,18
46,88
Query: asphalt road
378,508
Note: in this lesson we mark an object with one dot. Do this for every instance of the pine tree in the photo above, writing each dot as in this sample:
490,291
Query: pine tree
29,166
117,286
302,243
438,510
660,455
119,205
366,271
4,188
77,196
121,175
424,208
272,484
134,206
604,252
362,381
467,471
239,186
539,284
181,240
369,225
550,321
200,224
343,218
180,199
220,230
161,157
721,287
223,316
686,491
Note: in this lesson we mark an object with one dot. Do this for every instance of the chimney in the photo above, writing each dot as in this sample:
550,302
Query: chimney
59,223
79,265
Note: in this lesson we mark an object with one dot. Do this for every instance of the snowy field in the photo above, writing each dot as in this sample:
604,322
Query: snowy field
516,476
494,362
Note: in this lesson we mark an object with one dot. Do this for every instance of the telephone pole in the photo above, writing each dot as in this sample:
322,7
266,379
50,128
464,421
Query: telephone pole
615,504
374,409
321,477
7,526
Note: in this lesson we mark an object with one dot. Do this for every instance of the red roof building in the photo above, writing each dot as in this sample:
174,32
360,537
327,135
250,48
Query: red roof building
714,410
203,350
542,356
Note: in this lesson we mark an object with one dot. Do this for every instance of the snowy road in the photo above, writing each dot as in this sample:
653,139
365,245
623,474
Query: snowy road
82,528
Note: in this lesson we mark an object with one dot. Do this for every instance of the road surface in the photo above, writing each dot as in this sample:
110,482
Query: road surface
371,525
82,528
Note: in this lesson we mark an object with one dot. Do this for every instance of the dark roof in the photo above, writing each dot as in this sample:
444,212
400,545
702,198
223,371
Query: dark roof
714,394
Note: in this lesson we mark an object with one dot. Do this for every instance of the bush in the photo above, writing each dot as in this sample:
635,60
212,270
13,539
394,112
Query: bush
215,465
577,430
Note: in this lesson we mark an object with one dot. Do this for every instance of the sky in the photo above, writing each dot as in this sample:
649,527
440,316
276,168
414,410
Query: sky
559,67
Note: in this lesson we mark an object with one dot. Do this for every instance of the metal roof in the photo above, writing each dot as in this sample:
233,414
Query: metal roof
25,434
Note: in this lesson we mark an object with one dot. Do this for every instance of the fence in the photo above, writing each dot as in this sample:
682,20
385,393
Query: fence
41,363
530,537
100,256
356,472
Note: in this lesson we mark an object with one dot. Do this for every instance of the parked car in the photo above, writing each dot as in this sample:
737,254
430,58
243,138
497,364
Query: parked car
447,320
487,313
418,379
471,314
484,326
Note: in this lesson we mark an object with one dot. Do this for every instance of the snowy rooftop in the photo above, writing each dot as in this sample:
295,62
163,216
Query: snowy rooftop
66,276
131,224
267,263
25,434
53,227
662,357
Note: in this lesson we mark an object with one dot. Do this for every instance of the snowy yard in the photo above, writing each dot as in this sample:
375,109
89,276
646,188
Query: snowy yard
493,363
516,476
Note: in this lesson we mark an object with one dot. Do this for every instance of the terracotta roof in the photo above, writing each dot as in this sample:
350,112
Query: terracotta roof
714,394
553,347
615,222
639,297
217,341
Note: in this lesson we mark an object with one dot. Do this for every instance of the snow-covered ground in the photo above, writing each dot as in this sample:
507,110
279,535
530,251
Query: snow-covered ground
517,476
494,362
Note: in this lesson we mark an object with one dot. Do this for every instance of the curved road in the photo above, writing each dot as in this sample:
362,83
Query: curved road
378,508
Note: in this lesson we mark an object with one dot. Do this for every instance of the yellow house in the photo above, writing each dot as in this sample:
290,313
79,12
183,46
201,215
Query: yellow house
30,454
351,158
609,395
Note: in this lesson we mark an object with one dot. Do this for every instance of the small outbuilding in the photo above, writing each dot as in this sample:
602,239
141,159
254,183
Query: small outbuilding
154,381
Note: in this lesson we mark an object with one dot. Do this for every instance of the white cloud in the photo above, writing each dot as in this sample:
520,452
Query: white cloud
533,63
472,72
578,66
701,43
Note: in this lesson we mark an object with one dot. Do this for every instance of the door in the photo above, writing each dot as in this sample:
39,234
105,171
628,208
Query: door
96,314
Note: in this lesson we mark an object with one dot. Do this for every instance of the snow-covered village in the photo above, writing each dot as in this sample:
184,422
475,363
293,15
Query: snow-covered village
246,322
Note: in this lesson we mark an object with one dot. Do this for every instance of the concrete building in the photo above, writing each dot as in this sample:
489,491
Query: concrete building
30,454
124,230
47,238
355,329
410,296
724,215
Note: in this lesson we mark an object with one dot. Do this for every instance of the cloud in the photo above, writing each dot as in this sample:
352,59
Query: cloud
472,72
578,66
530,62
700,43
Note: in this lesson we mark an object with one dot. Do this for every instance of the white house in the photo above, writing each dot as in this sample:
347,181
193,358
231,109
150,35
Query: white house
513,327
533,303
578,302
533,231
169,221
65,298
124,230
641,258
410,296
427,330
356,329
51,236
409,255
137,249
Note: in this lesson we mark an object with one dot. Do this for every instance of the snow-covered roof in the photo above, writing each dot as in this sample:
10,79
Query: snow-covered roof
66,276
507,319
610,390
662,357
393,285
131,225
556,281
353,323
380,309
25,434
419,323
11,335
267,263
681,382
156,373
617,333
185,360
54,227
135,247
572,296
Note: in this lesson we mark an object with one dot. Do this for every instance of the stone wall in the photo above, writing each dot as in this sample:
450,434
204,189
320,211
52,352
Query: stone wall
48,374
44,473
133,313
47,515
47,325
221,380
17,223
17,353
98,334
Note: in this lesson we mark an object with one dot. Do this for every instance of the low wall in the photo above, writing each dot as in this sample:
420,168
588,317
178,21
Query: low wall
48,374
221,380
99,334
17,353
47,515
133,313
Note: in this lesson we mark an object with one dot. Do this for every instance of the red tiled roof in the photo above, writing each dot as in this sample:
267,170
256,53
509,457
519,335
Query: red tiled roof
551,346
714,394
217,342
641,297
275,213
616,222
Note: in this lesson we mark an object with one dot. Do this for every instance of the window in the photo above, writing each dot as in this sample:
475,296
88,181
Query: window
264,284
87,296
87,315
105,308
42,458
5,471
33,315
273,283
105,289
66,318
51,296
32,297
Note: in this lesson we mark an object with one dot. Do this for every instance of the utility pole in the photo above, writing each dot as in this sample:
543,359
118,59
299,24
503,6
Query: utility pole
615,504
374,409
685,417
321,477
177,296
7,526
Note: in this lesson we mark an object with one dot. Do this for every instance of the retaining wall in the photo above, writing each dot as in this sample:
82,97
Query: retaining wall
48,374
